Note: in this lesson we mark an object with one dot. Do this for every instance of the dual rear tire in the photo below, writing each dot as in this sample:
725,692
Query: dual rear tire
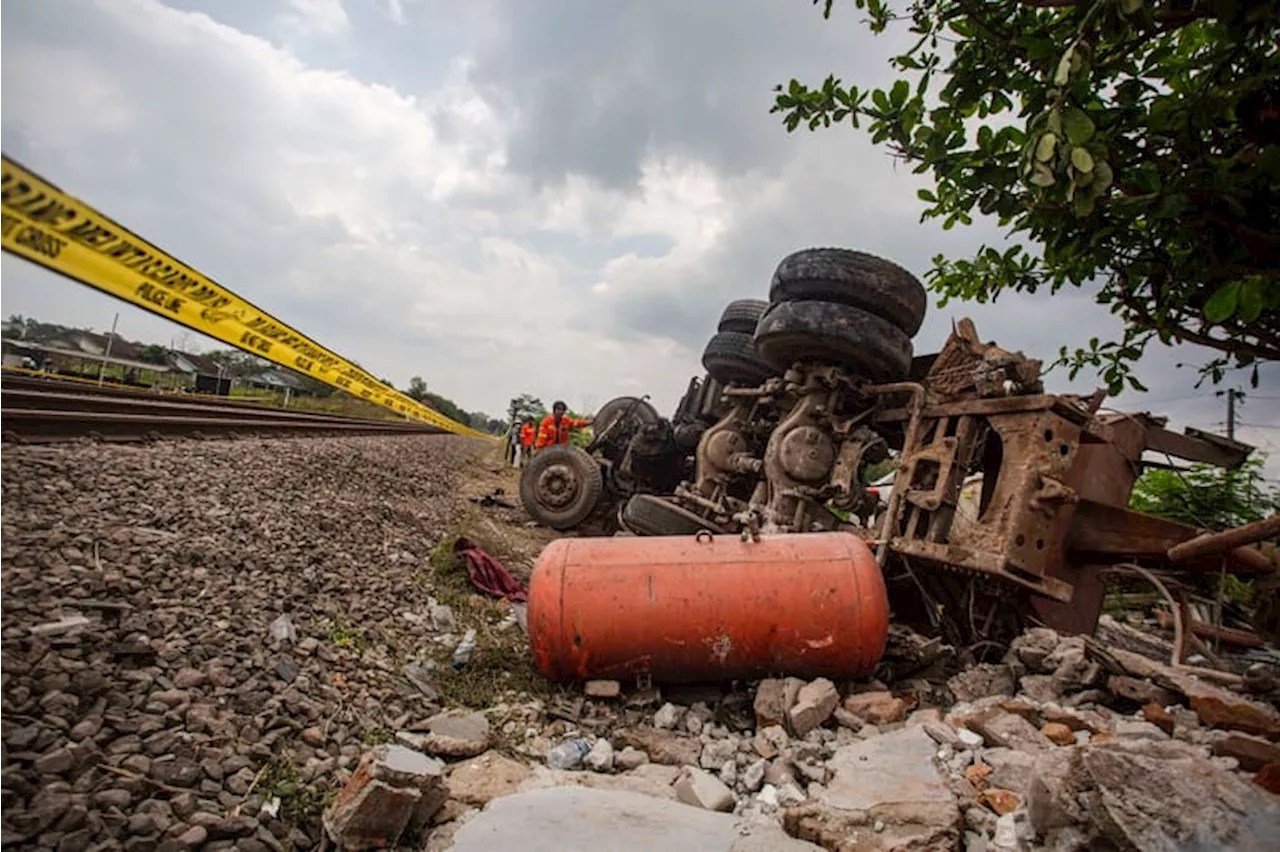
826,305
843,307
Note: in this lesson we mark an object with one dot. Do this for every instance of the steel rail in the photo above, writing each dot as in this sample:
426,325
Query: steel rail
53,413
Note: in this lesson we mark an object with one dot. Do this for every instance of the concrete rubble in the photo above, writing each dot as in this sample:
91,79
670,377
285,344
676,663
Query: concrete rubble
999,770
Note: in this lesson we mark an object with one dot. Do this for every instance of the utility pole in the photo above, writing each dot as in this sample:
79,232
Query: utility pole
1232,395
107,352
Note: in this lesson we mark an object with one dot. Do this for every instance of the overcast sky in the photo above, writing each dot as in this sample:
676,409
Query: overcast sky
502,196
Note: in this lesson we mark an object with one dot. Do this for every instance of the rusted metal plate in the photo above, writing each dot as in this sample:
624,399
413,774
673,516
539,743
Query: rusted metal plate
1113,533
1198,446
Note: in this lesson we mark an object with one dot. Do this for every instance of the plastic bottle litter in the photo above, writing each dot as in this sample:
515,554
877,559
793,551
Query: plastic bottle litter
462,653
568,754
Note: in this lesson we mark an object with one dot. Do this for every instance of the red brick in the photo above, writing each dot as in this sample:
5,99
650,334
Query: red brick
1253,754
1158,716
1268,778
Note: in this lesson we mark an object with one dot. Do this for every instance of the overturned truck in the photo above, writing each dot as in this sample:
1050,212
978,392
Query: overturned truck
804,392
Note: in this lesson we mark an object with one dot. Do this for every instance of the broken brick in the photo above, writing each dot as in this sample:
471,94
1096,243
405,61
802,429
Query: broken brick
1268,778
1236,716
1252,753
1158,716
770,703
1001,801
1013,731
878,708
1058,733
814,704
976,775
393,790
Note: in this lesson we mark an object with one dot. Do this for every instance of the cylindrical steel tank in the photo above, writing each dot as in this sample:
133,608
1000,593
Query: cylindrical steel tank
711,608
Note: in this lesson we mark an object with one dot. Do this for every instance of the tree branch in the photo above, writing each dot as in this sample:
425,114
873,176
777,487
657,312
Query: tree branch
1186,335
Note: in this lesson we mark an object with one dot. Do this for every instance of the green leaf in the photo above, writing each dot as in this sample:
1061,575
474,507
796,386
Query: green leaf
880,99
1042,175
1130,6
1063,73
1082,205
1222,304
901,91
1102,176
926,195
1055,121
1045,147
1078,126
1082,160
1250,301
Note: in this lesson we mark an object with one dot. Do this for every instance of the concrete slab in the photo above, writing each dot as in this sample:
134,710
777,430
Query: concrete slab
579,819
887,783
891,769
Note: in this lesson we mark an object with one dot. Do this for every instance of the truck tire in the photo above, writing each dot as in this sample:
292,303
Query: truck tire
852,278
742,315
637,410
647,514
731,358
561,486
863,343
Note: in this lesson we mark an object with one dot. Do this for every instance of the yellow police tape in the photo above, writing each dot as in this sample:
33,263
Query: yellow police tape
46,226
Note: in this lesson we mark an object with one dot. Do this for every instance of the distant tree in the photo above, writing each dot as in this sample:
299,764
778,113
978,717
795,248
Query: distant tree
525,405
417,388
153,353
1128,146
238,363
1207,497
447,407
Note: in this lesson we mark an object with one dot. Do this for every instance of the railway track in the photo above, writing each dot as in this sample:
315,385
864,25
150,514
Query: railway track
35,410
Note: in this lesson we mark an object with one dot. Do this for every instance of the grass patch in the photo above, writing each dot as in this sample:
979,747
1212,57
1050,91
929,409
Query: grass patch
376,736
501,661
343,635
299,803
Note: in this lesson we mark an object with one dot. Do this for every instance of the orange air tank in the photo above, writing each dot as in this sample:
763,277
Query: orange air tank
710,608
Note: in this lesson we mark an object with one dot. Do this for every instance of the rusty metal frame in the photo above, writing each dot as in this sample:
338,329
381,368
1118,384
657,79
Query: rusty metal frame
1030,442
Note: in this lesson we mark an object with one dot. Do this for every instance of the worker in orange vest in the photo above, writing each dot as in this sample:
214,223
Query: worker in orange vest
555,427
528,434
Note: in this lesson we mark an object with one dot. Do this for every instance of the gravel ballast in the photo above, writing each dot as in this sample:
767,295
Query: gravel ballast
153,696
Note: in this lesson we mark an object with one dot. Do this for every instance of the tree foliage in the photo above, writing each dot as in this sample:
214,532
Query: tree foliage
153,353
1207,497
238,363
525,405
1129,145
417,389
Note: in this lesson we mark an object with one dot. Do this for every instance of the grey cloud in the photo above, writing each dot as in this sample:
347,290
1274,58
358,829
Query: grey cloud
595,87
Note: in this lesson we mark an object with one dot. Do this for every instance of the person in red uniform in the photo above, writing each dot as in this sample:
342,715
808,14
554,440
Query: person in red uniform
557,425
528,434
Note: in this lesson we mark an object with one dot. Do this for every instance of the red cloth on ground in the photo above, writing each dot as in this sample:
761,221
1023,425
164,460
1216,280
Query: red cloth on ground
487,573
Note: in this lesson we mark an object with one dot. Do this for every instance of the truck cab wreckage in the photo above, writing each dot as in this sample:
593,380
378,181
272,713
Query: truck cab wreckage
803,393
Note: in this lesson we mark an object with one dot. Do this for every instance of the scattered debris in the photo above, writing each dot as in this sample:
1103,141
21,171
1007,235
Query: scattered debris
701,789
493,498
393,790
602,689
451,734
487,574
